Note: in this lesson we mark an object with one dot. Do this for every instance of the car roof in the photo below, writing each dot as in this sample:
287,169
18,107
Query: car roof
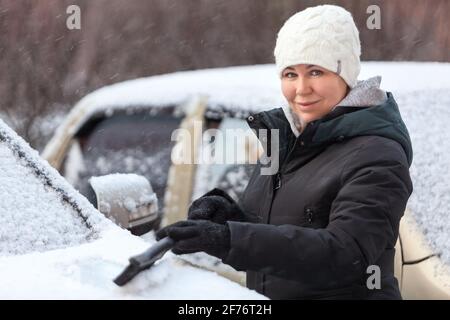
237,89
232,91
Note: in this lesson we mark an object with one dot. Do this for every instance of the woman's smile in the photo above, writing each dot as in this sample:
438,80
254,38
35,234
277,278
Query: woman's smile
305,106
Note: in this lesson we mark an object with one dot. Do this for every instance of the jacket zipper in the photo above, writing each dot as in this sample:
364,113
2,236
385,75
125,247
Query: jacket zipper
277,184
278,181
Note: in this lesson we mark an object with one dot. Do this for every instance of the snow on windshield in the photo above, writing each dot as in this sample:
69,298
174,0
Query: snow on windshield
33,216
87,271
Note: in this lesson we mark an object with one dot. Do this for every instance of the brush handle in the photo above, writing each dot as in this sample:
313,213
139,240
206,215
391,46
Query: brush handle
155,252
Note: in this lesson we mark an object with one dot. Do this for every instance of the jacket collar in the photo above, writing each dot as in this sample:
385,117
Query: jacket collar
366,93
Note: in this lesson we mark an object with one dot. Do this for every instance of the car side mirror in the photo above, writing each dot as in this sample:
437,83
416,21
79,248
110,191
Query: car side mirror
126,199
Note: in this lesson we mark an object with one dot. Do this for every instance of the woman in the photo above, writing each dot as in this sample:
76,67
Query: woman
312,230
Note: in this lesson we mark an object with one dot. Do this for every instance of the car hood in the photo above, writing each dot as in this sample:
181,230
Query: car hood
87,272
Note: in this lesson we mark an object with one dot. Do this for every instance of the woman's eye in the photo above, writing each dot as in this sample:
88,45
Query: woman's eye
316,72
289,74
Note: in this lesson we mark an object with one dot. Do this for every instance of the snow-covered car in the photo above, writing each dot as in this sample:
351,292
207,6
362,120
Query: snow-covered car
55,245
137,119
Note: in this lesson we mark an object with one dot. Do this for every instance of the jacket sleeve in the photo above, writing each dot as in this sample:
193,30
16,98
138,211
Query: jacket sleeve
364,220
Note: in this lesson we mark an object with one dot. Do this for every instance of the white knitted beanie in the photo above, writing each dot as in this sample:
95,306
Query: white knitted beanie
326,36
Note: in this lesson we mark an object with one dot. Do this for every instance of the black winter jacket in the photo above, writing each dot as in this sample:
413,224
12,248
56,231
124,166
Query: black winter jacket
332,210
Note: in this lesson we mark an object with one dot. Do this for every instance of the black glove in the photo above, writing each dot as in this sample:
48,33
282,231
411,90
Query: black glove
219,207
198,235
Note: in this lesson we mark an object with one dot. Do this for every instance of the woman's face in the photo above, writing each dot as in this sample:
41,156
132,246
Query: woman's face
312,91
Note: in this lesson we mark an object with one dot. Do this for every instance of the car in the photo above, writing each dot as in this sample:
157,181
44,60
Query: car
55,245
149,115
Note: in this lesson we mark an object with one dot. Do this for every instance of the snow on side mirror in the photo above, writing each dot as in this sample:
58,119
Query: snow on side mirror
127,199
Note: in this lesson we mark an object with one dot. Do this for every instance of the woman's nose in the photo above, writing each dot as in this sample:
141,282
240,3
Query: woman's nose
302,86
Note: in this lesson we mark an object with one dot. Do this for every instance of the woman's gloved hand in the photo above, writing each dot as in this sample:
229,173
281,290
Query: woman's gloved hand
200,235
219,207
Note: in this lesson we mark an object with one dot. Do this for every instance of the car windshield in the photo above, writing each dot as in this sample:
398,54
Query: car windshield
124,143
33,215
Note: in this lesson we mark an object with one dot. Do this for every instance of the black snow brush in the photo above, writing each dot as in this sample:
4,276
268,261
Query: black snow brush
144,260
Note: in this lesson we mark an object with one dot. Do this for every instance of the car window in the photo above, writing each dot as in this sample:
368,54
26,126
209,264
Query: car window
33,215
233,160
124,143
